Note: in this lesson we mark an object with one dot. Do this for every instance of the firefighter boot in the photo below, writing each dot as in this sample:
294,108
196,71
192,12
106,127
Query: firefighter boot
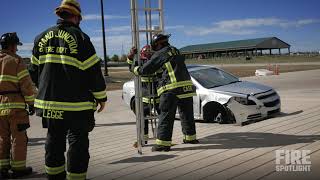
160,148
4,174
20,173
195,141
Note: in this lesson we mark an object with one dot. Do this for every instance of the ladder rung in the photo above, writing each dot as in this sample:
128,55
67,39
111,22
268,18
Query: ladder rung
149,9
148,30
151,117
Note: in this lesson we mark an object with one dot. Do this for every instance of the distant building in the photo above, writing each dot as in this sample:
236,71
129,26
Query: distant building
249,47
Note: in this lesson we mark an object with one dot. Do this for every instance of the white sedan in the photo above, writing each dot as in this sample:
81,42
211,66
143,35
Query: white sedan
223,98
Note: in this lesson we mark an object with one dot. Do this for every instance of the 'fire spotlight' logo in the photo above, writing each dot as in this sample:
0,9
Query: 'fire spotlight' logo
293,160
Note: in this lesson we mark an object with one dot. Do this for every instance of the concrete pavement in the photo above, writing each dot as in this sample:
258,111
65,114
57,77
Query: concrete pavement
226,151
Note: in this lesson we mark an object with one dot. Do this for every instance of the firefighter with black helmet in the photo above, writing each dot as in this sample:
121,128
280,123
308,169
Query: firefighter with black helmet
16,94
67,72
148,82
175,89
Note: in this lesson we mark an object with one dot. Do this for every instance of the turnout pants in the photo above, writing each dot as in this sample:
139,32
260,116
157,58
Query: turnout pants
13,138
75,129
168,106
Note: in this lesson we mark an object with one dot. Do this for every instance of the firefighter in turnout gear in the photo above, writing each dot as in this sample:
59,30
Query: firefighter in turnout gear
16,95
175,89
147,82
67,72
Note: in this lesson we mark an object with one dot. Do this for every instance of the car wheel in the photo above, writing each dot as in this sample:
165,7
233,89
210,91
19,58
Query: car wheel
218,118
133,105
215,113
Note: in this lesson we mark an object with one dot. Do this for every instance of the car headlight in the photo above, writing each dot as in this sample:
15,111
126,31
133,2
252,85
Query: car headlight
244,101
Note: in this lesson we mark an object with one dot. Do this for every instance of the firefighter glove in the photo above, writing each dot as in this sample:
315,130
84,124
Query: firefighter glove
136,70
132,52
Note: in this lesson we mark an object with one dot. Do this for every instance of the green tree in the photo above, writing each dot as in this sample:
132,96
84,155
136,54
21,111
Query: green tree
123,58
115,58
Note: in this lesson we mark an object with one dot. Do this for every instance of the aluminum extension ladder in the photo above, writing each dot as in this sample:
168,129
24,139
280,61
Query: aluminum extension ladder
148,12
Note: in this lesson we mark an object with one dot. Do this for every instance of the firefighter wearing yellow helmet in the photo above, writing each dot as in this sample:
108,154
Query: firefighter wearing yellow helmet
66,70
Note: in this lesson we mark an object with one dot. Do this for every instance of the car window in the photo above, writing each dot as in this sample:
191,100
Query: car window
212,77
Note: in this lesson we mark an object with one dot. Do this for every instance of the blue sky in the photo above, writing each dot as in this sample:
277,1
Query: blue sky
189,21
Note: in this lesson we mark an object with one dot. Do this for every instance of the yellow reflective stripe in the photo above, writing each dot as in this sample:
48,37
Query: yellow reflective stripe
34,60
150,100
129,61
13,105
163,143
100,95
190,137
90,62
63,59
67,106
9,78
4,162
181,96
29,98
23,74
173,86
146,79
76,176
54,170
146,137
135,70
171,72
18,164
60,59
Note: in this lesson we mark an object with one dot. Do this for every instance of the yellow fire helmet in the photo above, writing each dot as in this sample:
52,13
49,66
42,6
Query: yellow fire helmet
71,6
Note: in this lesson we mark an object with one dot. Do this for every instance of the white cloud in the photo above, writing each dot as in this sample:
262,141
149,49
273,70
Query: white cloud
88,17
115,44
247,26
174,27
26,47
117,29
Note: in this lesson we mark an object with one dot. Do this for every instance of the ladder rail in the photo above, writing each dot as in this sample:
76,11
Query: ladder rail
137,79
149,31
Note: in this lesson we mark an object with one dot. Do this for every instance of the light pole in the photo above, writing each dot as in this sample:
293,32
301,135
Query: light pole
104,41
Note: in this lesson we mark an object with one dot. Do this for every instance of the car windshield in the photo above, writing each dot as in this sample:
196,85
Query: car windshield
212,77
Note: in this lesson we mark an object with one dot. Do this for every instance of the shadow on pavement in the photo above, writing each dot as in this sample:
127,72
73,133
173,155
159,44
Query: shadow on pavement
36,176
36,141
159,157
116,124
249,140
282,114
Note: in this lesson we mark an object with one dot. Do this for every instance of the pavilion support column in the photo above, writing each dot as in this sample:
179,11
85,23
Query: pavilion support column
270,51
279,51
289,50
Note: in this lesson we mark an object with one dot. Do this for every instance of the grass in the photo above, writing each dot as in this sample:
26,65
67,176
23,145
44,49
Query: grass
258,59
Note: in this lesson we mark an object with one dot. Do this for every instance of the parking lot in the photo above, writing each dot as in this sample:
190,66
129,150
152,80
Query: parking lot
225,151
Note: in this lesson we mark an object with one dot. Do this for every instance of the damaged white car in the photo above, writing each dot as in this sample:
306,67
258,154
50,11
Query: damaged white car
223,98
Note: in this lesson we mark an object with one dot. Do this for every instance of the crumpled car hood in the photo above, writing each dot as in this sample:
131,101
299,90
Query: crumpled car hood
243,87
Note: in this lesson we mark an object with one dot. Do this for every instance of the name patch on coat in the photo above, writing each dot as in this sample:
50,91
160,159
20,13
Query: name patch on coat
52,114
